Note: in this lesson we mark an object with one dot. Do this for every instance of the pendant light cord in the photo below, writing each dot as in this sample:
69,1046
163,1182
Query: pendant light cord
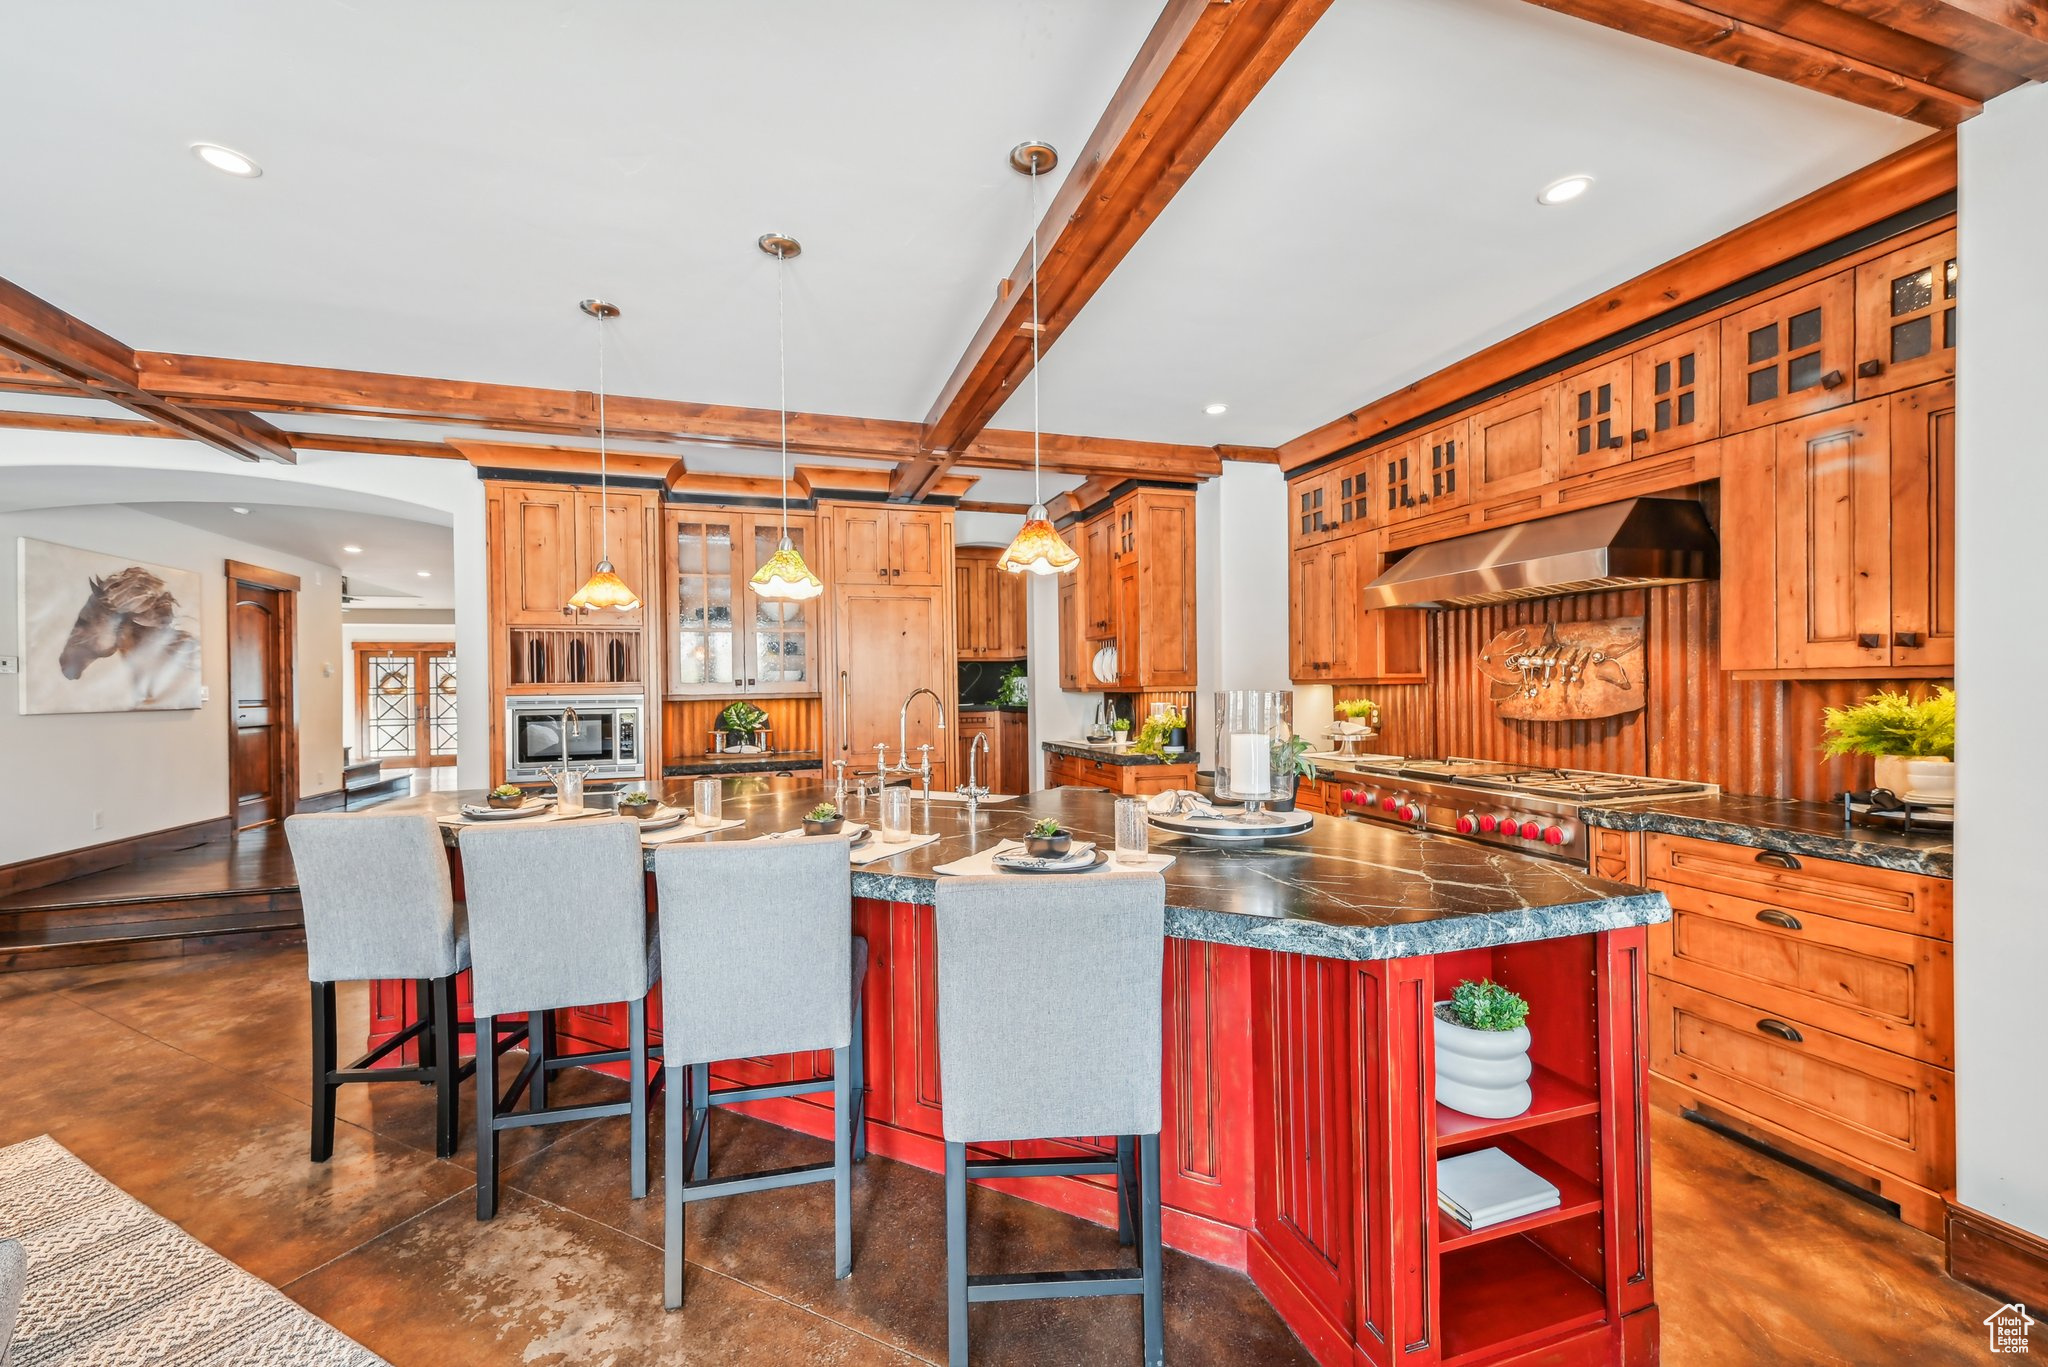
604,502
1037,493
782,393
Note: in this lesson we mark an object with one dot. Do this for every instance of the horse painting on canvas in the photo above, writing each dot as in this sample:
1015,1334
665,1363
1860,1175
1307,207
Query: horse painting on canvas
130,645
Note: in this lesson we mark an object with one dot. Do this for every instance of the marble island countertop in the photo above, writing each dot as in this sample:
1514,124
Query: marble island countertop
1342,890
1765,823
1110,753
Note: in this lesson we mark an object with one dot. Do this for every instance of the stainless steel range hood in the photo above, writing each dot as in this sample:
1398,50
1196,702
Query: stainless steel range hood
1636,542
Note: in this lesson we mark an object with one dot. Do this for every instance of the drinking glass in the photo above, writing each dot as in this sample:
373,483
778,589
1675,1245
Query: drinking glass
708,792
896,813
1133,828
569,790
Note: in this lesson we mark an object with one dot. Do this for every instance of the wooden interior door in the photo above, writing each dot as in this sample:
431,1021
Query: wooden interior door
262,720
1834,539
405,703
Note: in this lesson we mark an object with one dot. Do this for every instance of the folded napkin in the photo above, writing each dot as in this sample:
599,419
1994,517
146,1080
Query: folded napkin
879,848
851,832
687,829
983,861
1189,803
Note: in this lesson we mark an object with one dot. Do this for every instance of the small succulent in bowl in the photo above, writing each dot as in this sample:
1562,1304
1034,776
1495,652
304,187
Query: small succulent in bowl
823,819
638,803
506,795
1048,840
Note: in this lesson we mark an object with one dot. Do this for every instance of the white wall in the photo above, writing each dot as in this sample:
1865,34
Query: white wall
2001,913
145,771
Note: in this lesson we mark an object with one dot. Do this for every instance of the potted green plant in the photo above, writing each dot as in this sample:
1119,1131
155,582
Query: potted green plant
1121,728
506,796
1482,1051
823,819
1015,688
1360,710
1291,765
1913,740
1048,839
638,803
742,723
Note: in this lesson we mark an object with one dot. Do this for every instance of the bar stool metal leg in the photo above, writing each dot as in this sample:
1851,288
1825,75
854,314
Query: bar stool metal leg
843,1123
486,1131
540,1041
636,1044
956,1255
700,1121
1126,1188
447,1067
324,1064
677,1121
1148,1251
860,1080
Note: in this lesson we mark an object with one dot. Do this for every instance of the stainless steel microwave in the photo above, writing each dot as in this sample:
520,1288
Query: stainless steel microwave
601,735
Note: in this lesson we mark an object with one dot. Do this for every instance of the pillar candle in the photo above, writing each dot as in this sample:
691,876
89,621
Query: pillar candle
1251,765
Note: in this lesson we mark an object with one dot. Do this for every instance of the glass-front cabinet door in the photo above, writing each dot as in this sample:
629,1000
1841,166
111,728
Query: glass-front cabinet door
1788,356
1906,318
725,639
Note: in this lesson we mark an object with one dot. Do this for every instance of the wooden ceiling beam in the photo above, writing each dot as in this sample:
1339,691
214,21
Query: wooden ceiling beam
1909,177
39,335
1710,33
2009,34
1841,27
1199,69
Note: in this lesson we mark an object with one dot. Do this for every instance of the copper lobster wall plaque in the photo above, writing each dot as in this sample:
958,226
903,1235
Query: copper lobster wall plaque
1566,671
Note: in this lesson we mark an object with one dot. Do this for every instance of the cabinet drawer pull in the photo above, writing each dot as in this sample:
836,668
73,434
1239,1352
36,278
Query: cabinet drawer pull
1780,1030
1870,370
1640,434
1772,857
1834,379
1870,640
1909,639
1783,920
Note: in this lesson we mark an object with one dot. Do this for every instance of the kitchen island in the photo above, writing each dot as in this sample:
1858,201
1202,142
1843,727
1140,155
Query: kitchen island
1301,1127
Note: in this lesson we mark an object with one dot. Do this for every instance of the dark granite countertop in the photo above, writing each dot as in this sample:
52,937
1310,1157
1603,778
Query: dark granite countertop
1765,823
1109,754
1342,890
700,765
993,707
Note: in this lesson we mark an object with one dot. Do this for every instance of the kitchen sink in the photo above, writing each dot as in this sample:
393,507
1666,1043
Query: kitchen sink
992,800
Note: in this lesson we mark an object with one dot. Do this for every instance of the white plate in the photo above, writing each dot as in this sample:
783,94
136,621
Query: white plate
1930,799
663,818
525,809
1079,861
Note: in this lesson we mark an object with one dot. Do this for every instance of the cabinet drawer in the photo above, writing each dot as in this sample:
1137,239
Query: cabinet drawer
1872,1105
1881,987
1854,892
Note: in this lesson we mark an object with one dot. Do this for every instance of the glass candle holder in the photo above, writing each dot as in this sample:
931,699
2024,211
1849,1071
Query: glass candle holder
709,802
1133,831
896,813
1248,723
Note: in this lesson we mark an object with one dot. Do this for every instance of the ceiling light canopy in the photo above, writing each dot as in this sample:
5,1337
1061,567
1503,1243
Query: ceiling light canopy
604,588
425,574
1216,410
227,159
235,509
1564,191
1038,548
784,575
351,550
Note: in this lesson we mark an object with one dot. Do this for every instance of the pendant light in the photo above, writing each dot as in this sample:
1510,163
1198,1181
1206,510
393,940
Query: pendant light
1039,547
604,588
785,575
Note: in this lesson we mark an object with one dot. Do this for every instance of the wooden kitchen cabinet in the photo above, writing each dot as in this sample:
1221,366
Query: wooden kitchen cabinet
877,543
1073,653
1834,539
1676,392
1426,473
886,635
1098,584
1128,780
1005,767
1789,356
1906,317
988,606
1595,417
1923,564
552,542
1137,576
1333,638
1514,443
723,638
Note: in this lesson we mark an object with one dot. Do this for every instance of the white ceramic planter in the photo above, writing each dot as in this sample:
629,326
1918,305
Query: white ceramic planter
1482,1073
1903,774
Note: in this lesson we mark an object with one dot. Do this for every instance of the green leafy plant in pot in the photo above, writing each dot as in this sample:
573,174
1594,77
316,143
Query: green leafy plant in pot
1048,840
1912,740
1482,1051
741,722
505,796
1291,765
824,819
637,803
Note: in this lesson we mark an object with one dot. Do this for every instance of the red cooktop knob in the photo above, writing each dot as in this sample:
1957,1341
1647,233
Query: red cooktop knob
1530,830
1466,825
1350,796
1407,812
1553,835
1389,803
1488,822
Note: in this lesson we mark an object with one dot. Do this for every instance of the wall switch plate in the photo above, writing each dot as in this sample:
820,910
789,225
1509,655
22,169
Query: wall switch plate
10,664
205,695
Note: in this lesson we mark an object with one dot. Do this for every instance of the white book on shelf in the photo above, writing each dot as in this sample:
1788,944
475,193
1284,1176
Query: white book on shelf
1487,1187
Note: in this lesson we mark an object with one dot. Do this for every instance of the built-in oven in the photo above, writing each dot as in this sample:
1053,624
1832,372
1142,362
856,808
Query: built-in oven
599,734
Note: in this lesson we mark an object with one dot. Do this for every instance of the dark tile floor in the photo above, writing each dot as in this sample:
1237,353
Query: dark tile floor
184,1082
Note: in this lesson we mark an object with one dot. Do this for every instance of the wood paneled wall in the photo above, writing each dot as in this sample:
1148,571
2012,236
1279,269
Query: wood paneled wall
686,724
1698,722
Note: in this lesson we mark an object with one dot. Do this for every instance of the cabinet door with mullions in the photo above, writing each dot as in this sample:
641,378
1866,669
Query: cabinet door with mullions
1677,397
1788,356
1906,317
1594,416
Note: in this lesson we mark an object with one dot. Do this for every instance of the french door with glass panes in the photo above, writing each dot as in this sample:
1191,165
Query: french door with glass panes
405,703
725,640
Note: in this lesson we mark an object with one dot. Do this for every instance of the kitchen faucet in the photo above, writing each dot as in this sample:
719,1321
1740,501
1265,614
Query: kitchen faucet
923,769
970,790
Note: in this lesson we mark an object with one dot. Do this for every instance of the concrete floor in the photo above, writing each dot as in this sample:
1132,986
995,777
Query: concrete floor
184,1082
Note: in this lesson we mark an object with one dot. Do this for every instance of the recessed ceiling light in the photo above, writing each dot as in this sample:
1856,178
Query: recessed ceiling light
226,159
1216,410
1564,191
243,511
352,550
426,574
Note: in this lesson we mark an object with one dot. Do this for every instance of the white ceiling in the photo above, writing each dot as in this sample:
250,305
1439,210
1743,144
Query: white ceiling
1372,217
441,187
385,574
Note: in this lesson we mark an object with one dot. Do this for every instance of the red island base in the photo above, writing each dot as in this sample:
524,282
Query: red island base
1302,1131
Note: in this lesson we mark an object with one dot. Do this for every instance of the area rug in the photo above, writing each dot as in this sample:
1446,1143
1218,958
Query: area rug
112,1282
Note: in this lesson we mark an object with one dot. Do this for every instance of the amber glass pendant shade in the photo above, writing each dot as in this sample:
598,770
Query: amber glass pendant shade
604,589
1039,548
785,575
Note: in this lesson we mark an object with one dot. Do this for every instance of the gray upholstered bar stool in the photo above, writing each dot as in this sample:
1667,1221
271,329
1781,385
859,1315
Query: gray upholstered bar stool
557,918
378,904
1049,1027
758,958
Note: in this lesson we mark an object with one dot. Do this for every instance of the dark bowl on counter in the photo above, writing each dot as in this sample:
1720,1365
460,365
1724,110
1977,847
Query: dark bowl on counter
829,827
517,799
1049,846
645,807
